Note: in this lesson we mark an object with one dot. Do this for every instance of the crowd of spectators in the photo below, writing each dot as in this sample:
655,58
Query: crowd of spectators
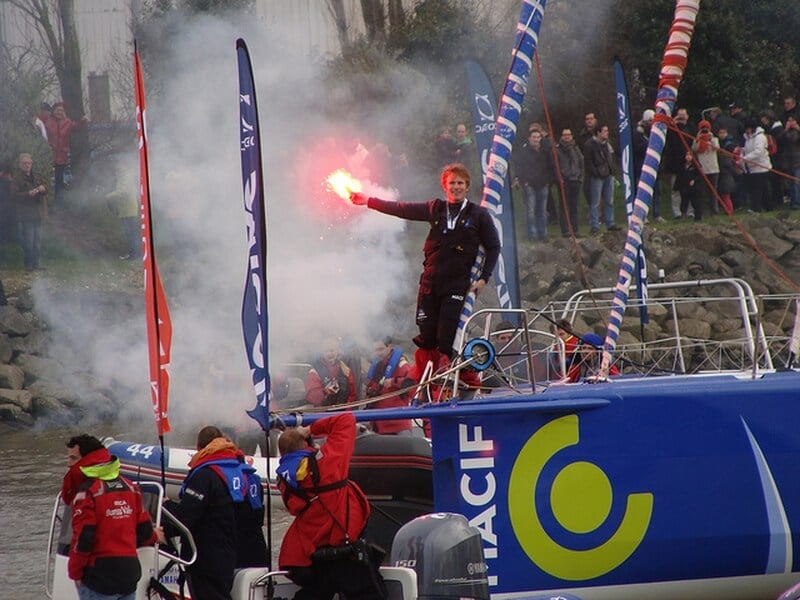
719,161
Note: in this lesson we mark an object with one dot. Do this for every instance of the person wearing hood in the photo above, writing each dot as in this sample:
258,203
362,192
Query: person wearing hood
108,523
214,492
323,550
757,165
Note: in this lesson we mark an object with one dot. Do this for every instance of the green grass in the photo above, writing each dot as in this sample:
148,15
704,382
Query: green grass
81,245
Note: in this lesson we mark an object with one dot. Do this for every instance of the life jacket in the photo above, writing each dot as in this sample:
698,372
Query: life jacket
391,366
291,465
241,479
340,397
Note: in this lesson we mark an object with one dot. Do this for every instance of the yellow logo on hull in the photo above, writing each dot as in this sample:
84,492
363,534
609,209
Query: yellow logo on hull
581,497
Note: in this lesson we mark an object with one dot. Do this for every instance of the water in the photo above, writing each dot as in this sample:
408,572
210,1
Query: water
31,468
32,465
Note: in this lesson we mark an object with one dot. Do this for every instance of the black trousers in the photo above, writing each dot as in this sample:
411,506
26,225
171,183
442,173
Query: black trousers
437,319
202,587
355,579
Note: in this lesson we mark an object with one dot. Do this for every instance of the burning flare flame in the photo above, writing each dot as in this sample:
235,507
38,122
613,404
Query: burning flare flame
342,183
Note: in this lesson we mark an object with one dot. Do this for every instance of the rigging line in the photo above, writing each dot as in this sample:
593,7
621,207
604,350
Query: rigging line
573,240
750,240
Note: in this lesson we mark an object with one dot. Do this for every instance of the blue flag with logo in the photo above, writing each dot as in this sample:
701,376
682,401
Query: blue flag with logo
498,199
629,177
254,304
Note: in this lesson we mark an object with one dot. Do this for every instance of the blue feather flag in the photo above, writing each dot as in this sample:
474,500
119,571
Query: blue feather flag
255,318
629,177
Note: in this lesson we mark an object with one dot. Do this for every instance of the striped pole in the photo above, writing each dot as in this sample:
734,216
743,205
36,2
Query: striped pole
525,42
672,69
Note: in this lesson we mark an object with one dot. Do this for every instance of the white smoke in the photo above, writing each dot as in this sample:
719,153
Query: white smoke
328,274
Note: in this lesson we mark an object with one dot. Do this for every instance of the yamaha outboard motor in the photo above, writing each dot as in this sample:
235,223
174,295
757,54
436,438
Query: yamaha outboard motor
446,553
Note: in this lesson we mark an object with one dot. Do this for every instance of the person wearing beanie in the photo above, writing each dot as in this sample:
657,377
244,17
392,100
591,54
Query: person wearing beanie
586,362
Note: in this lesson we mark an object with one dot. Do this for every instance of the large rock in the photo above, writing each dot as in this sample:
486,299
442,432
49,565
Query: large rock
12,322
10,412
769,243
11,377
33,343
6,348
19,397
46,407
54,391
36,368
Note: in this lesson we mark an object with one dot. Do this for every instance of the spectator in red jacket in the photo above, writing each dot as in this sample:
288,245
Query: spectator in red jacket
323,550
108,523
330,381
59,129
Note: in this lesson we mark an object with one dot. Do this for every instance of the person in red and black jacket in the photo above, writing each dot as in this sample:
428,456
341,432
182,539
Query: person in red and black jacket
59,129
389,372
108,523
330,381
319,550
458,229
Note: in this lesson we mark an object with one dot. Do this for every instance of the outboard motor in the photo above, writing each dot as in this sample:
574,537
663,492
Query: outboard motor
446,553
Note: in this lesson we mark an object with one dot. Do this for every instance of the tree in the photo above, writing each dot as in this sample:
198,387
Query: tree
336,10
61,42
740,51
374,20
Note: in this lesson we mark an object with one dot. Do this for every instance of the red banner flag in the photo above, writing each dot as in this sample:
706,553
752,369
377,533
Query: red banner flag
159,323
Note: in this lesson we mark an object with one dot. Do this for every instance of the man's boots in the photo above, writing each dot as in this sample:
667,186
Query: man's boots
421,358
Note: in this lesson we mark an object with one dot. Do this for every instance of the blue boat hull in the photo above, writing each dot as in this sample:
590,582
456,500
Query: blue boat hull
627,482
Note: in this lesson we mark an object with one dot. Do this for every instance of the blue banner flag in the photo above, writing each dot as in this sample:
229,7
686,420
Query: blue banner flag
484,114
629,177
505,130
254,304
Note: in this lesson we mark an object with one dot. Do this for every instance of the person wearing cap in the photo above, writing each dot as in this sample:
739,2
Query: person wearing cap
641,140
586,362
737,112
705,147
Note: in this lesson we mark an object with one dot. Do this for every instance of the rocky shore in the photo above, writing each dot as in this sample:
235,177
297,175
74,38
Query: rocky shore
34,385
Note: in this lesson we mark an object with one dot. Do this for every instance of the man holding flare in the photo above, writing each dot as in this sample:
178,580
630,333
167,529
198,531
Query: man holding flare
457,229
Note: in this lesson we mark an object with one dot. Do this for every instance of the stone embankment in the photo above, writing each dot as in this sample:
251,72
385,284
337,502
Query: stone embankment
35,385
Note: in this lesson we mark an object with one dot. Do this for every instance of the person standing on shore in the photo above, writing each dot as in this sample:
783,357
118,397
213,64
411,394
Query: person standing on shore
30,194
